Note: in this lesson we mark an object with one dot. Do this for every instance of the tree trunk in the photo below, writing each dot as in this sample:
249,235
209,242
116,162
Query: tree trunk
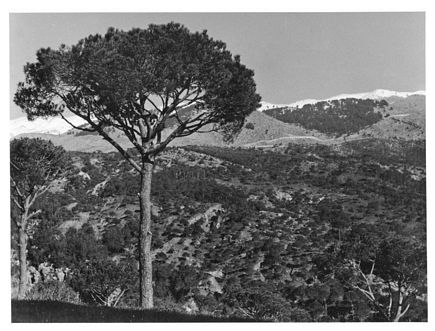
22,238
145,236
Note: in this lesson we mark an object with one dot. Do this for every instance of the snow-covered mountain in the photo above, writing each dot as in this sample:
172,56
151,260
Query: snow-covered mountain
54,125
376,94
266,105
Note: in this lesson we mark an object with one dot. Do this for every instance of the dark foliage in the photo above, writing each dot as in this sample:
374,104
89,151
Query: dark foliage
33,160
335,117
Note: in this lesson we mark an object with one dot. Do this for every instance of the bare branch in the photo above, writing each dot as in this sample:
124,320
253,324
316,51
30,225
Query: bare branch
15,186
406,309
159,147
33,214
118,298
127,128
76,127
123,152
368,294
97,127
42,189
390,305
17,204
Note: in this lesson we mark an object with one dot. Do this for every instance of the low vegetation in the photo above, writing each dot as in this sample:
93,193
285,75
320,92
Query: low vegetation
57,312
299,233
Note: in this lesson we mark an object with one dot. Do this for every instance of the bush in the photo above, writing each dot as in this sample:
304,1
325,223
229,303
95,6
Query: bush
258,301
53,291
250,126
168,304
113,238
97,279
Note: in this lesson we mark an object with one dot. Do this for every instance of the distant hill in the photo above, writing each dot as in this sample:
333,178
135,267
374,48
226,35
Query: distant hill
335,117
398,115
53,125
392,117
404,118
259,129
377,94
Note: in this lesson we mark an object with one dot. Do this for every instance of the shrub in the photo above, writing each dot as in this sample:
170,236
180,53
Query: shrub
97,279
259,301
167,304
53,291
113,238
250,126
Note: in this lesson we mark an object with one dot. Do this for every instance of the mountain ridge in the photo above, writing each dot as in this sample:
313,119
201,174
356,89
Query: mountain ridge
58,126
375,94
403,116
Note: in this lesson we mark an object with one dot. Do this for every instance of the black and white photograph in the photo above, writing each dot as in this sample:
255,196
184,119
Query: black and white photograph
216,167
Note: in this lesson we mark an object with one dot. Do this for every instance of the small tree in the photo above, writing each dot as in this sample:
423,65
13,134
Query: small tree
141,82
389,270
35,164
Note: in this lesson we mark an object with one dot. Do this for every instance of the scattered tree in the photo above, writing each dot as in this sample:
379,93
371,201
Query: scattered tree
35,164
250,126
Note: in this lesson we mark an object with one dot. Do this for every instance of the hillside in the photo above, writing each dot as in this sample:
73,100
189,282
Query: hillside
377,94
393,117
404,118
334,118
398,115
53,126
242,232
258,129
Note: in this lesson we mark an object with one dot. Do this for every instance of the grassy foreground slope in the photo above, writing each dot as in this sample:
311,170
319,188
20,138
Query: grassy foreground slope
58,312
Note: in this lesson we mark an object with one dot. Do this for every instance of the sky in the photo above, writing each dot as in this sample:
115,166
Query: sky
294,56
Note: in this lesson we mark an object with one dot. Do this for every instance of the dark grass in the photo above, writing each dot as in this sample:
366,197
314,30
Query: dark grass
29,311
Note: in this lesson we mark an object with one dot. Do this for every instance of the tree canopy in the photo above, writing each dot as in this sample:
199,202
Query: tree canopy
35,163
137,81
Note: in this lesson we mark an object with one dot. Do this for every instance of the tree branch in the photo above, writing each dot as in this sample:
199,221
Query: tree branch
15,186
17,203
99,129
390,305
123,152
153,104
33,214
118,298
76,127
